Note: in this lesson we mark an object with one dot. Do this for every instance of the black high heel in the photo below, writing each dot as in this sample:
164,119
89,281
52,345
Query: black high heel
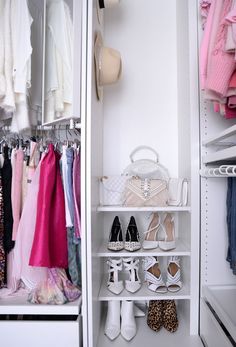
132,240
115,242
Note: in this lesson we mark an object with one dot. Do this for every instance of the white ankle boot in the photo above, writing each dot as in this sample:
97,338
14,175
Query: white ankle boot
128,324
112,326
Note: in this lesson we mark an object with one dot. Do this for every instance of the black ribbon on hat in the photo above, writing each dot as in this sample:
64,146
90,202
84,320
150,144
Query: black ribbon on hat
101,4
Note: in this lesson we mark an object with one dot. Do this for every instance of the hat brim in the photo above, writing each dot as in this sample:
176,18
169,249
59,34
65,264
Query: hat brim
97,48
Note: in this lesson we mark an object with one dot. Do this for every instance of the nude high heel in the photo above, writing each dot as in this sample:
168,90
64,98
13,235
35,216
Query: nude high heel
168,228
150,241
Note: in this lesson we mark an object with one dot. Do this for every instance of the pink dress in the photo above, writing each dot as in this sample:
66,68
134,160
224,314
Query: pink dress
50,239
31,276
16,191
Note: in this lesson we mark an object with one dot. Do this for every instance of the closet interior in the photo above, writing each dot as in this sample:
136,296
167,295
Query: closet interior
52,121
155,103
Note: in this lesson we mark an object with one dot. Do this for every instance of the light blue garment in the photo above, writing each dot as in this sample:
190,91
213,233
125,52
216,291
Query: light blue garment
67,174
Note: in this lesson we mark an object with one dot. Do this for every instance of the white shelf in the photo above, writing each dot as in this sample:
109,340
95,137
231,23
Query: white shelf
180,250
18,305
221,136
227,154
143,294
222,300
146,336
143,209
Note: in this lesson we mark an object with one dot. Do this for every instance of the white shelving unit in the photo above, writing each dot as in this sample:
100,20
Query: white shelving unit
143,294
181,249
143,209
224,155
115,126
223,135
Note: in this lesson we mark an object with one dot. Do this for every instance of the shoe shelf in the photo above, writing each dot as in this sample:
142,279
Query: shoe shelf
181,250
145,336
231,131
222,300
221,156
142,294
18,304
143,209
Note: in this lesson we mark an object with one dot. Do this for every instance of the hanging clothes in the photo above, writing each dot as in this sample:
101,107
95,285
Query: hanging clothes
231,223
7,207
50,240
29,275
76,193
2,252
17,159
58,74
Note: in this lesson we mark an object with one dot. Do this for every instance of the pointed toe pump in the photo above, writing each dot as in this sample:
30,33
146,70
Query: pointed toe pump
168,227
131,265
113,284
150,241
132,240
115,242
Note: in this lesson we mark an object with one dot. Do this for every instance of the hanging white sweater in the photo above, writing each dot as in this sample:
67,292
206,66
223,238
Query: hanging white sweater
21,21
58,78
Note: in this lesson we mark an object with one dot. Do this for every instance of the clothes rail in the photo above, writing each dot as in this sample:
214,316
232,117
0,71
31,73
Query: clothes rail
220,171
72,125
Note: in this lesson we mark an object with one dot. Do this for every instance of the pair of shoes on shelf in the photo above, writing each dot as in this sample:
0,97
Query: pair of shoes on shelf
132,240
162,313
120,320
154,277
166,228
131,266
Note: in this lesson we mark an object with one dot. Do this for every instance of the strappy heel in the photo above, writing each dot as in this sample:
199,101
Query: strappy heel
153,275
150,241
115,242
168,228
131,265
173,283
113,283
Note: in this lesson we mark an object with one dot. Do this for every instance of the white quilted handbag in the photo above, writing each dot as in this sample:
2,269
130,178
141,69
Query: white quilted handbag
111,189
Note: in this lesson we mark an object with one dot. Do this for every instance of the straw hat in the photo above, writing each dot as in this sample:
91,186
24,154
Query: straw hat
108,65
101,4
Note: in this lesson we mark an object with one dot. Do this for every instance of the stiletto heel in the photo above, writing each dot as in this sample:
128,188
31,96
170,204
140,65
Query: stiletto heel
132,241
113,283
150,241
115,242
131,265
168,227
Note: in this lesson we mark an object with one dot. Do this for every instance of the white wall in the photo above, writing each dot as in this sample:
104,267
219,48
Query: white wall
142,107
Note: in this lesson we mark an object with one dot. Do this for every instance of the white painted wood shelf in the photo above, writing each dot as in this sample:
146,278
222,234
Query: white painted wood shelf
181,250
19,305
146,336
231,131
142,294
222,300
143,209
227,154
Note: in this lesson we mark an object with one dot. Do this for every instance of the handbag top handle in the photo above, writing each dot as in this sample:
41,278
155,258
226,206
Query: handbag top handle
140,148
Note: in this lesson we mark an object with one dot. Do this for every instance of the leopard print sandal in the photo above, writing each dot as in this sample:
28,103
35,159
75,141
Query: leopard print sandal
155,315
170,319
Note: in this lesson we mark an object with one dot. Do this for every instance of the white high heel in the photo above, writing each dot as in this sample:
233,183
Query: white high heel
155,283
128,324
168,227
113,283
112,325
150,241
131,265
173,283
